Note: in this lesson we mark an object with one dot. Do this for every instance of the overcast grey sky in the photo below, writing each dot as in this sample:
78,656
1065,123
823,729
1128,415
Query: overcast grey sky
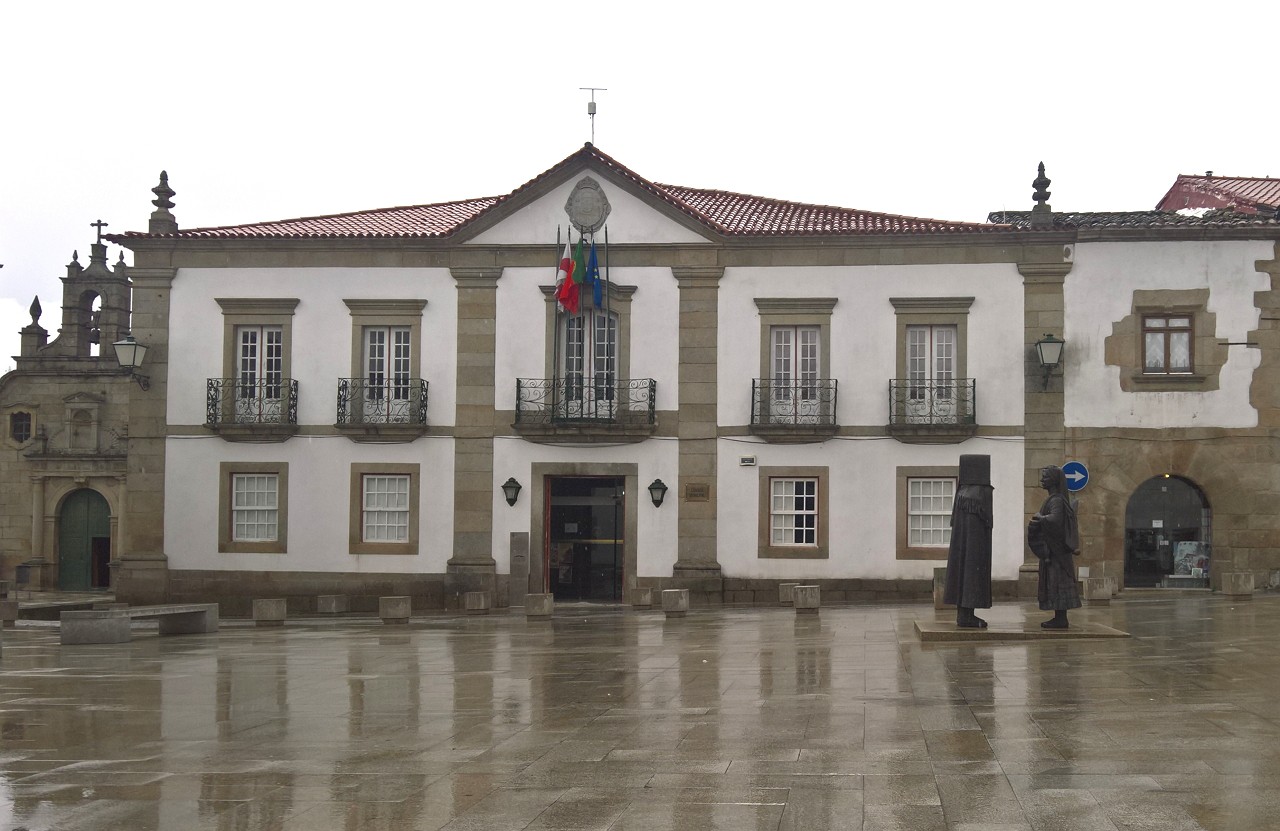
271,110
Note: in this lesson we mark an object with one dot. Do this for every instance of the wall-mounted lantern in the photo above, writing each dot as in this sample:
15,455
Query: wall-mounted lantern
657,492
129,354
1049,353
511,490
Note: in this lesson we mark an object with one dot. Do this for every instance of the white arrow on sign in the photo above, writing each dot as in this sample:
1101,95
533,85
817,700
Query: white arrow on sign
1075,476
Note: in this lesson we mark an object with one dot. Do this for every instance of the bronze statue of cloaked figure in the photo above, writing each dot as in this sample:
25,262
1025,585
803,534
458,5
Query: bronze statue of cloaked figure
969,558
1054,537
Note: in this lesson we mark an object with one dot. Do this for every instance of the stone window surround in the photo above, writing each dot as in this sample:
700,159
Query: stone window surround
356,541
795,311
392,313
618,301
256,311
902,504
1208,353
766,549
227,545
11,424
932,311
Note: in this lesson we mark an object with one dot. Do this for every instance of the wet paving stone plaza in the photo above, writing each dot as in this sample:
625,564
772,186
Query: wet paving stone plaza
611,718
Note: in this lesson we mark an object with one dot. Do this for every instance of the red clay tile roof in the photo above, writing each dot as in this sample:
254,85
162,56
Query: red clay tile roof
1070,220
1244,194
731,214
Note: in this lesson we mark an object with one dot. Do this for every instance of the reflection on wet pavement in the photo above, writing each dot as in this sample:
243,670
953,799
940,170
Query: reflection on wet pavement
606,718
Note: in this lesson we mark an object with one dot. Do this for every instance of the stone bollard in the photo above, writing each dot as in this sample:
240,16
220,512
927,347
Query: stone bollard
787,593
939,587
476,603
1113,585
642,598
675,602
332,604
538,605
269,611
9,613
808,598
1238,584
1096,591
394,609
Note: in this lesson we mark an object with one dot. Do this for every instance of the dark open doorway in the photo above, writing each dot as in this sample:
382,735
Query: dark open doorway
1167,533
585,538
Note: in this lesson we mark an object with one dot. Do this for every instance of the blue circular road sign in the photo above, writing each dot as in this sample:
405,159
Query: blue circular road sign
1077,475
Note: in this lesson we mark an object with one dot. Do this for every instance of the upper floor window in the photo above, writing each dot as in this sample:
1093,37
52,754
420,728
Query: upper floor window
256,398
589,357
931,361
1167,344
797,364
20,427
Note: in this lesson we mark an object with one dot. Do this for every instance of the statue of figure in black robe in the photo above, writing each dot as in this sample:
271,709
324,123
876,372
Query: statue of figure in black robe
1054,538
969,559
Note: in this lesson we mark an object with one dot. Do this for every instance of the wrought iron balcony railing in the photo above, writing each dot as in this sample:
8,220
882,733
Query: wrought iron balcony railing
372,401
777,402
268,401
550,401
924,403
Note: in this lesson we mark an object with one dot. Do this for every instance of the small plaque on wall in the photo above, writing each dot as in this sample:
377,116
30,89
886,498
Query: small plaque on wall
697,492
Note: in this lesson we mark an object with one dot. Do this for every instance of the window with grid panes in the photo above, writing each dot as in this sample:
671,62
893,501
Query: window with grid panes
385,512
793,513
1166,344
255,514
929,503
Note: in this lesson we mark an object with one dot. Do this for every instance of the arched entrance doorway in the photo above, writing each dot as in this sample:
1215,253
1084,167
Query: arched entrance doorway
1167,533
84,541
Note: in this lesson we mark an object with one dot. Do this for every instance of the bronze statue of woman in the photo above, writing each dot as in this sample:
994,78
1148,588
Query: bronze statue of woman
1054,537
969,557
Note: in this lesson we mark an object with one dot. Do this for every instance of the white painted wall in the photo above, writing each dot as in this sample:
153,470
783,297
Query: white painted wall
864,333
655,459
521,337
862,506
1099,292
630,220
319,503
321,347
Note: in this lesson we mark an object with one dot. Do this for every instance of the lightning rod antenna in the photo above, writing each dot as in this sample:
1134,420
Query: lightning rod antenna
591,108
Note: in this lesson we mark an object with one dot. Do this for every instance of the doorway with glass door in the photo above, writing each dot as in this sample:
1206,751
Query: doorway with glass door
585,539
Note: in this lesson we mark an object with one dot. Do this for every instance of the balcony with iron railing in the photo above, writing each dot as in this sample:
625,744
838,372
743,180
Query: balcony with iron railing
933,412
382,409
585,410
787,410
241,409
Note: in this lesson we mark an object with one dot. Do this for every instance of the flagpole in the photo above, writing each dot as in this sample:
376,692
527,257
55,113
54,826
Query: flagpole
555,334
608,319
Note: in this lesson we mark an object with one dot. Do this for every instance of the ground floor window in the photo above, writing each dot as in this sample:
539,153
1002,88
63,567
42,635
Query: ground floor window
793,512
253,508
384,508
929,504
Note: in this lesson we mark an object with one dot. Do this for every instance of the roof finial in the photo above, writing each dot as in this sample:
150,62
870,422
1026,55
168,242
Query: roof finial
35,311
1042,213
163,222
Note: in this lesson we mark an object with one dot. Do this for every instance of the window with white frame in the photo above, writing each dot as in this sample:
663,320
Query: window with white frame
1166,344
793,513
259,371
387,363
931,361
796,366
385,513
929,503
589,359
255,507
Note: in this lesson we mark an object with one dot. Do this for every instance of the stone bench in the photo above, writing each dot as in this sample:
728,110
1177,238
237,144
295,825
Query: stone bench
113,625
808,599
270,611
332,604
395,610
675,602
642,598
476,603
787,593
8,613
539,605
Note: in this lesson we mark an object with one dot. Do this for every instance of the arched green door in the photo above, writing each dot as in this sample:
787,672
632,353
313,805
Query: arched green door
84,541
